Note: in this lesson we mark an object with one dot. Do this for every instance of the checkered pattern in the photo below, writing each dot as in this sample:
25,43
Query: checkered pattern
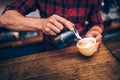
77,11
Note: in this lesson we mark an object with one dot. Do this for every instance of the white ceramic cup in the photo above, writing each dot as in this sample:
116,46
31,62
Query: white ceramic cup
87,46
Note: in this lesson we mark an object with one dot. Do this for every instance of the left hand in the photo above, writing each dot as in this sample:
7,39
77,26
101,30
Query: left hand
97,35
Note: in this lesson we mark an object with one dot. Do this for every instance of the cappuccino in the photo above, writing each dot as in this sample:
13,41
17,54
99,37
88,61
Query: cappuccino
86,46
86,43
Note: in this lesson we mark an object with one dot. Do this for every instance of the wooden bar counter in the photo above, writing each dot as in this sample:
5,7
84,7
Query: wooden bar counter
63,64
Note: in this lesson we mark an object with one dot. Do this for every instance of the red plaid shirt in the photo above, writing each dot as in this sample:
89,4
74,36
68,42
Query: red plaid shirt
77,11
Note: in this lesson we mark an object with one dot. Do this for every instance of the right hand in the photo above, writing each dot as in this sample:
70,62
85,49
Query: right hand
54,24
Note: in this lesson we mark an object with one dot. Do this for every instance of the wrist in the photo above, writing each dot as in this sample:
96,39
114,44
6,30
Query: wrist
33,23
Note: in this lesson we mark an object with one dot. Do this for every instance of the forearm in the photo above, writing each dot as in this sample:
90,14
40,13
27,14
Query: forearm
52,25
96,18
15,21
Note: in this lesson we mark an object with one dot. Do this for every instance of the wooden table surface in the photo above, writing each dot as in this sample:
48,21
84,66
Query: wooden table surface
64,64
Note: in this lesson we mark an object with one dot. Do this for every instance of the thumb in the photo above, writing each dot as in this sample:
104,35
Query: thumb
97,46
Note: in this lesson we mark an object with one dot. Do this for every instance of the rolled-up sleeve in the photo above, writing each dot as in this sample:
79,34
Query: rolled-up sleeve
96,17
22,6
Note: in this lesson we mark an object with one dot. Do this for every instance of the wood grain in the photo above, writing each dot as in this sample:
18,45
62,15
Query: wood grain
63,64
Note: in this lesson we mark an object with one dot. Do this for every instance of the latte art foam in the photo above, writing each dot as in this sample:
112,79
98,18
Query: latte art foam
85,43
87,46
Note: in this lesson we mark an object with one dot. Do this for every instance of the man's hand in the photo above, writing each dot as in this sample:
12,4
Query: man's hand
96,34
54,24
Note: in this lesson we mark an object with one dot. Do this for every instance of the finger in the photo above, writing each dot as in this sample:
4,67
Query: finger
99,41
97,45
98,37
65,22
48,31
56,24
52,33
88,35
54,28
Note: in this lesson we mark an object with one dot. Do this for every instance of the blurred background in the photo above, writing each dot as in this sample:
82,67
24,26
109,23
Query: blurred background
15,44
110,10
